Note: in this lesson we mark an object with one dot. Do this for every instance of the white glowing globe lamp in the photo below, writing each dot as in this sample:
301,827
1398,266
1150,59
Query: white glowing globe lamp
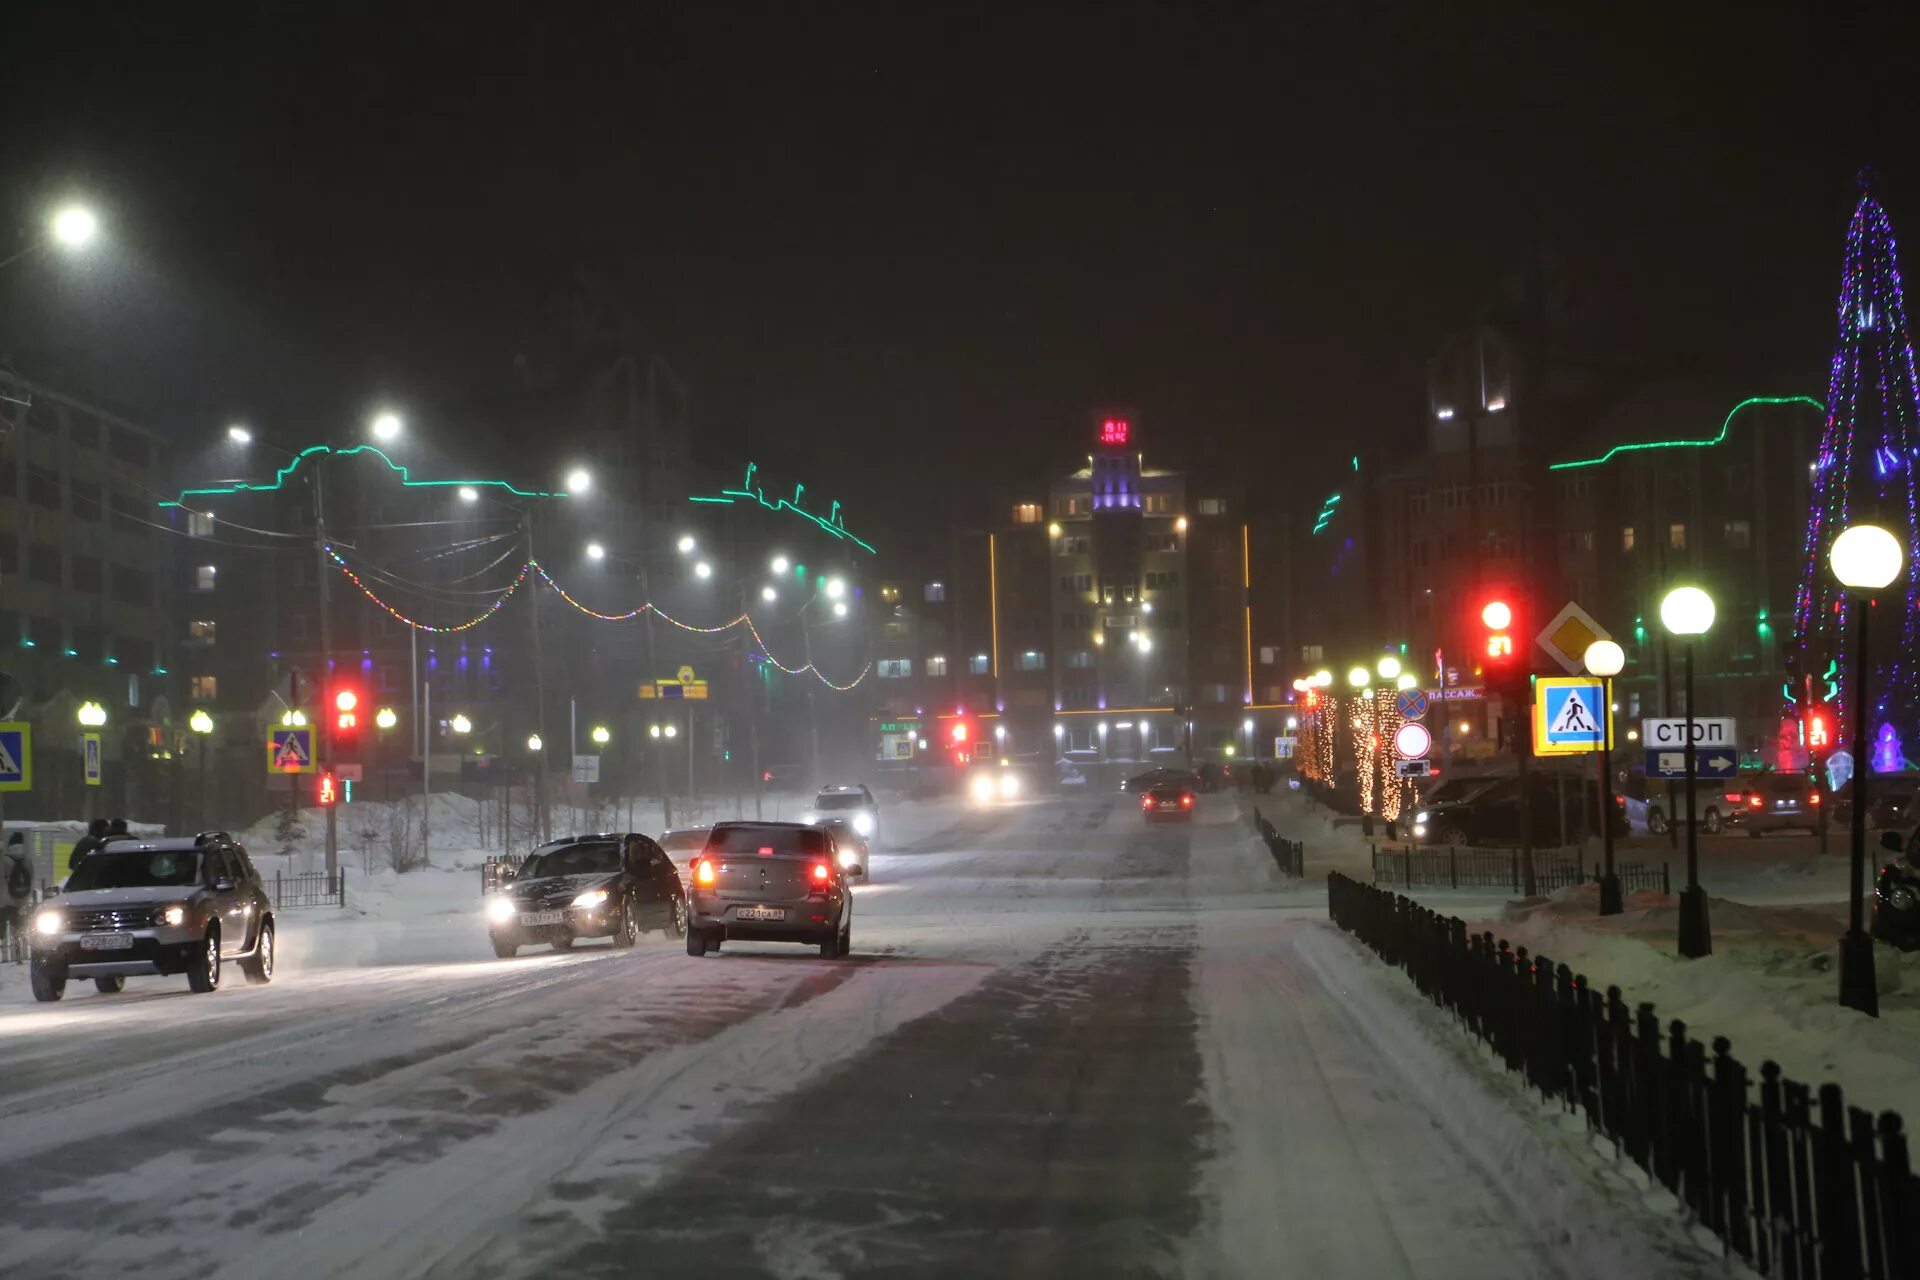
1358,677
1686,611
1865,557
1605,658
1388,667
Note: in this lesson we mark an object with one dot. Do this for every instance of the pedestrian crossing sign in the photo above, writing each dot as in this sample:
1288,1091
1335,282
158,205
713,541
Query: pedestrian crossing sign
16,756
290,750
1570,716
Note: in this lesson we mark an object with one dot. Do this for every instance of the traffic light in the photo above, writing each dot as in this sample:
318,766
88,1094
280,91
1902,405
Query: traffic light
1819,734
329,789
346,724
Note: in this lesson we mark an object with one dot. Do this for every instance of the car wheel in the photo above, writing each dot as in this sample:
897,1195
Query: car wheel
677,918
504,949
1454,835
563,943
1656,821
203,972
1753,831
1711,822
258,967
696,942
111,985
629,931
846,940
48,983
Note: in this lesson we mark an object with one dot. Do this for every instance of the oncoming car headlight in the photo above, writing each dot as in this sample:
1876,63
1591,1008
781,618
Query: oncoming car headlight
982,788
174,915
863,823
1420,818
49,922
591,898
1009,785
849,857
500,910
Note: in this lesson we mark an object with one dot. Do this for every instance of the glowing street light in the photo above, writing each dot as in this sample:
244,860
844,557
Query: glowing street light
779,564
703,571
386,427
579,480
601,735
74,226
672,730
534,743
460,723
293,718
1388,667
91,714
385,718
596,552
469,494
769,594
836,588
1687,612
686,544
1358,677
239,434
839,608
200,722
1605,659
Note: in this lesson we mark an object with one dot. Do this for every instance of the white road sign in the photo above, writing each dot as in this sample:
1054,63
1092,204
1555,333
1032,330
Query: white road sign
1708,731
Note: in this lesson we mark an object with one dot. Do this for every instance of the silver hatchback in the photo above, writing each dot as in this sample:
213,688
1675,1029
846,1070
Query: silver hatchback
769,882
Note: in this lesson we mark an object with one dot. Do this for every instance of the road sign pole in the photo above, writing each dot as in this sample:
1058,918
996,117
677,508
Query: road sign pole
1610,904
1858,986
1696,939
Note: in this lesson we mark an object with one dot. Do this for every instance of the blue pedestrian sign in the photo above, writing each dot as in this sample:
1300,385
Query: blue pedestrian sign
1569,715
90,757
1411,704
290,750
16,756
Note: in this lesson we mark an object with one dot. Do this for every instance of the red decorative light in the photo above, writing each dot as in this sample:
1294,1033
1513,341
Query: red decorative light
1116,431
960,732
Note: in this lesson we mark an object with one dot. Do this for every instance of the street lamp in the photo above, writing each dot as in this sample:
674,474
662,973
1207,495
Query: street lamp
839,608
74,226
1388,667
686,544
202,723
1604,658
596,552
769,594
91,715
1865,559
579,480
779,564
836,588
601,735
460,723
386,718
1687,612
385,427
672,730
239,434
534,743
703,570
468,494
1358,677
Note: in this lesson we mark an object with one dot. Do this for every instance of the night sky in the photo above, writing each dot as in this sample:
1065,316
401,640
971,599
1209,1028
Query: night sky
879,239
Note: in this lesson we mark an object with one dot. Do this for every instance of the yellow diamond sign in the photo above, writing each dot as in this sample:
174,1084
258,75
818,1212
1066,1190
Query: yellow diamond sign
1566,637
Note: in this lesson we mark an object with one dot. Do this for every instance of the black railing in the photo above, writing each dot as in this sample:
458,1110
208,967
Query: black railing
494,872
1452,867
1288,855
308,889
1798,1183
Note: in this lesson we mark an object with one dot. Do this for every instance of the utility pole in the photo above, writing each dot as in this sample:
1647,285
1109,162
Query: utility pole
321,732
813,722
539,693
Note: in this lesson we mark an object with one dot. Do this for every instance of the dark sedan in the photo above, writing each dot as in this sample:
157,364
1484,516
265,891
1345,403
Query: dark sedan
601,886
1143,782
770,882
1167,801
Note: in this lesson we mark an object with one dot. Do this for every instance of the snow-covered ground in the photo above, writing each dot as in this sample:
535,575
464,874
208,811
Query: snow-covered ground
1067,1043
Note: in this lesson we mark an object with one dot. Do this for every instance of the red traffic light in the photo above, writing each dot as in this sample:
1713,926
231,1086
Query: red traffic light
346,700
1497,614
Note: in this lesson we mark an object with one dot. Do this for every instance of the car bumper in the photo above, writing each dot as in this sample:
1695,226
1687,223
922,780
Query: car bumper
805,921
575,922
150,951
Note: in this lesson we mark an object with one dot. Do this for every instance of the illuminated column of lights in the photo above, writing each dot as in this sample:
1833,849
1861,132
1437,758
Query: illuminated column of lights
1360,722
1864,467
1386,715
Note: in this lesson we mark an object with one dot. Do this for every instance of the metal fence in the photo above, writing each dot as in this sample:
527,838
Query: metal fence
1288,855
1798,1183
308,889
493,872
1473,868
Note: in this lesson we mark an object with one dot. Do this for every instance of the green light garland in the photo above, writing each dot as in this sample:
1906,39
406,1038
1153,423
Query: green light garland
406,477
1726,426
832,522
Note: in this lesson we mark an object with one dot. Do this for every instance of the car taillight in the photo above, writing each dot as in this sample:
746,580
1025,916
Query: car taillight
821,874
703,872
1814,798
1186,800
1735,797
1146,802
1755,802
1619,802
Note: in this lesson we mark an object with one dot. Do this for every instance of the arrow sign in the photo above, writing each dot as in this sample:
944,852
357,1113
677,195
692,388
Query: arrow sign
1671,762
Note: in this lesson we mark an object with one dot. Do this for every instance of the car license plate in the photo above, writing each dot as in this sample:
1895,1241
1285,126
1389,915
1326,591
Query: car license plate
532,919
1168,804
105,941
760,913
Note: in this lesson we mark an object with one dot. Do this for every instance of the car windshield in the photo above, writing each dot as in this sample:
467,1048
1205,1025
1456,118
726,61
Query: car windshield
840,800
136,868
682,841
769,839
573,860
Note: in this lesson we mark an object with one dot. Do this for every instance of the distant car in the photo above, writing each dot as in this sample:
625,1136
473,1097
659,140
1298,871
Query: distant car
1896,891
854,803
770,882
1763,802
1140,782
990,784
1168,800
613,885
682,845
1711,806
850,847
1491,815
155,906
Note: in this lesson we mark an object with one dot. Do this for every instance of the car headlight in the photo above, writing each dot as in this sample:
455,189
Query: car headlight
1420,818
982,787
175,915
863,823
49,922
591,898
849,858
1009,785
501,910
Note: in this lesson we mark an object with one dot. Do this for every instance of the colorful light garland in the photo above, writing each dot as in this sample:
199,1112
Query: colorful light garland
1865,465
832,523
535,567
312,451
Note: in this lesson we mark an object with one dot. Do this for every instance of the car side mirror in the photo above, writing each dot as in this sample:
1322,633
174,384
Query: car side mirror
221,884
1892,843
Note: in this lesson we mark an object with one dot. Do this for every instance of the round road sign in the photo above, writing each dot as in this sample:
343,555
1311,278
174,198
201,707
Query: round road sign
1412,741
1412,704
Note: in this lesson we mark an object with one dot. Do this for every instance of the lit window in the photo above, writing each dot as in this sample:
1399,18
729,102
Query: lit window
199,524
203,688
936,666
1739,535
1626,537
890,594
980,664
936,592
1027,513
202,629
1266,655
1677,536
893,668
1212,506
1033,660
205,577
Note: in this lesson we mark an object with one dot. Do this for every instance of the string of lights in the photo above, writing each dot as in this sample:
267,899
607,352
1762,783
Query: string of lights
415,623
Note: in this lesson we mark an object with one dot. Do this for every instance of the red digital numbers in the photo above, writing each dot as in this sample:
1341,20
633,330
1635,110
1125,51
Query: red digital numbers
1115,431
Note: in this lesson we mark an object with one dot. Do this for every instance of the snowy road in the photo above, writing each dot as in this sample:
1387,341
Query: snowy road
1066,1044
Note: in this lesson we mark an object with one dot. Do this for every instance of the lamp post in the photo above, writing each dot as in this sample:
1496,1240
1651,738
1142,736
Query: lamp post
202,724
384,720
1865,558
1687,612
1604,658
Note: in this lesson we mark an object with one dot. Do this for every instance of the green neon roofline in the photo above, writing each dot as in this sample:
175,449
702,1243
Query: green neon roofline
1689,444
831,523
406,477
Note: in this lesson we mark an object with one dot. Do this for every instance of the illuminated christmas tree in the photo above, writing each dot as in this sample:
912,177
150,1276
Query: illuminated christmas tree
1863,471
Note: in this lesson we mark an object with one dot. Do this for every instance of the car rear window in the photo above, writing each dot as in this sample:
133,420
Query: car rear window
801,840
839,800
